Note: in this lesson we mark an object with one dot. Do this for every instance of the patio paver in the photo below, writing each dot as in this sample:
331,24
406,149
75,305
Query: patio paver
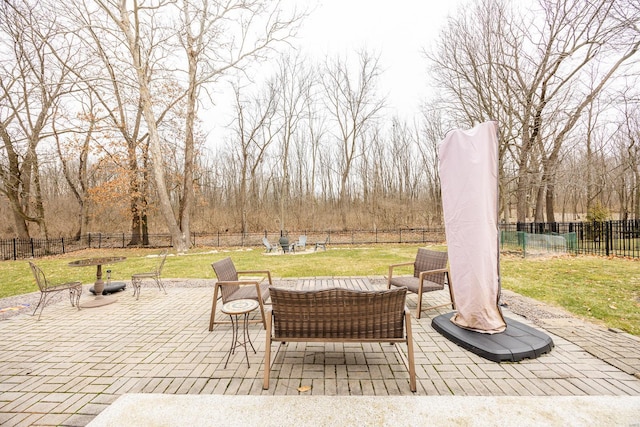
71,365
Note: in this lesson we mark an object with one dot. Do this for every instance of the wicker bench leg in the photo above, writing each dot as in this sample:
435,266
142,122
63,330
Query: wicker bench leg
267,355
410,355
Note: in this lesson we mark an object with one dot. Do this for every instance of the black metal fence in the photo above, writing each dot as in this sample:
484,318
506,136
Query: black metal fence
36,248
606,238
610,238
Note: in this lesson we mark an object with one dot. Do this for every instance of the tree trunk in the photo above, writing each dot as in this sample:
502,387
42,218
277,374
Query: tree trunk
550,203
179,239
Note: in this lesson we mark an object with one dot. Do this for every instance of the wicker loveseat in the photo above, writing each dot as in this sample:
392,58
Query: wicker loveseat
338,315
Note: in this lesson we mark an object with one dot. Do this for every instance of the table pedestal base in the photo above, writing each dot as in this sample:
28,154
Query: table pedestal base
98,302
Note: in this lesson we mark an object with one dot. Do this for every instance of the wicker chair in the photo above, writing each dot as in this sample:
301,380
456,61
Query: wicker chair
46,289
430,273
231,288
338,315
139,278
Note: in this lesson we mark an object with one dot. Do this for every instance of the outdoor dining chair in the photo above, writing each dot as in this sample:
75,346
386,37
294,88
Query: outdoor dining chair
138,279
229,287
430,273
47,289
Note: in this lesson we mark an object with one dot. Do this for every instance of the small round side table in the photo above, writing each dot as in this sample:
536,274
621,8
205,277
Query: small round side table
235,309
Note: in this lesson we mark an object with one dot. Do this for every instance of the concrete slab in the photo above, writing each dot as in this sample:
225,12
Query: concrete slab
216,410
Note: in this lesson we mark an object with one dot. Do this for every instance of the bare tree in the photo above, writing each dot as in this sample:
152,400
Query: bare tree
628,146
216,37
254,125
293,81
73,153
353,104
33,81
527,69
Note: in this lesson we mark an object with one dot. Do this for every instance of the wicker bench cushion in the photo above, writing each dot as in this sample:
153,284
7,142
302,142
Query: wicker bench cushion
413,283
249,292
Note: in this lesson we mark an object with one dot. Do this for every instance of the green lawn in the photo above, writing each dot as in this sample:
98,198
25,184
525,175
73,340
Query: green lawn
600,289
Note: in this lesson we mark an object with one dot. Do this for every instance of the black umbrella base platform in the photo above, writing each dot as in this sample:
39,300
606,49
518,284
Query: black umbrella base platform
516,343
111,288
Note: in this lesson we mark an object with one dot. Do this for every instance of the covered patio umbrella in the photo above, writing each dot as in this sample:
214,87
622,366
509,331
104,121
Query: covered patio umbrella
469,179
468,165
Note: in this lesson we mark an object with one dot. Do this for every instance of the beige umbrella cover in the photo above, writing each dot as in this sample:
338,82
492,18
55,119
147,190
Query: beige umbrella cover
468,166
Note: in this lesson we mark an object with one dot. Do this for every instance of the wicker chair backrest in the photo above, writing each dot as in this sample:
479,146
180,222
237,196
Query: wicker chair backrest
338,313
430,260
226,272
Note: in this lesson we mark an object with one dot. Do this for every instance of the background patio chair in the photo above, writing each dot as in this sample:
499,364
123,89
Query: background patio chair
269,247
138,278
430,273
322,244
231,288
302,242
47,289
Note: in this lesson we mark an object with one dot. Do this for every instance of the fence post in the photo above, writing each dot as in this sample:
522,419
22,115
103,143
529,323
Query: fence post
15,249
62,240
99,240
33,253
122,240
400,235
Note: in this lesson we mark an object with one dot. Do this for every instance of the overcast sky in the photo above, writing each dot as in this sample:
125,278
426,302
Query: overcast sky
397,30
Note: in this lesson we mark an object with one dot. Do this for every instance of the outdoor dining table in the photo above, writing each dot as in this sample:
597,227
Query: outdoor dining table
98,286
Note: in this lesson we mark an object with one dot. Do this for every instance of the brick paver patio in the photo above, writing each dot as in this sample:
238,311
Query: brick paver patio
69,366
